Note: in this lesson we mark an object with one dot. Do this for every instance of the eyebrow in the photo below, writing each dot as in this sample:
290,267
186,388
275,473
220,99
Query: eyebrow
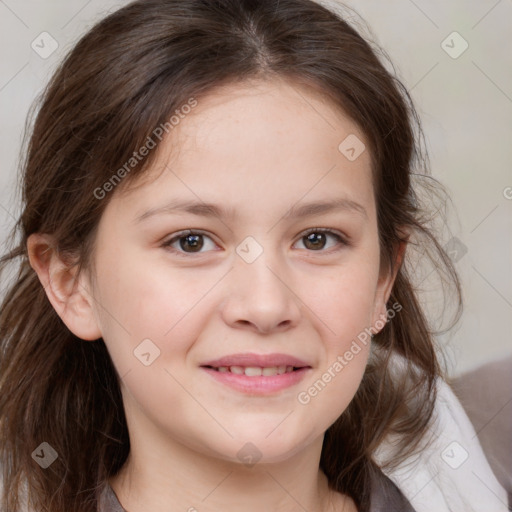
213,210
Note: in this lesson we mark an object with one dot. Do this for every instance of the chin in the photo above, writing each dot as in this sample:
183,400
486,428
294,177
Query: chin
258,449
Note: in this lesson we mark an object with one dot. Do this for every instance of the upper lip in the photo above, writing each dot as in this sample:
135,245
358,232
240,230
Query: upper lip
261,360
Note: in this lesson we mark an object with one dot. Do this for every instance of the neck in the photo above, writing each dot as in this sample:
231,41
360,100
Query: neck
179,478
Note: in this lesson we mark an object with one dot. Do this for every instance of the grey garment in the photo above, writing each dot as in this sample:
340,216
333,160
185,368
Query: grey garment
107,501
386,497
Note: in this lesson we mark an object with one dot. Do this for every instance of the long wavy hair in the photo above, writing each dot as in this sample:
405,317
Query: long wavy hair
125,77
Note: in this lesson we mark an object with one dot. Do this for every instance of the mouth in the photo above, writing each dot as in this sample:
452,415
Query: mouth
257,374
255,371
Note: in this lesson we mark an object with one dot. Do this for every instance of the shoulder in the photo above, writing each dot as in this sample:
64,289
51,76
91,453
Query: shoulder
486,395
448,469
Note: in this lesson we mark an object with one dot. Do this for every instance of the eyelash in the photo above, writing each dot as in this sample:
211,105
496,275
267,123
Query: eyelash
182,234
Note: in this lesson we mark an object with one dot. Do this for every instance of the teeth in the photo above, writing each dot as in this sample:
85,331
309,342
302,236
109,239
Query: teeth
253,371
256,371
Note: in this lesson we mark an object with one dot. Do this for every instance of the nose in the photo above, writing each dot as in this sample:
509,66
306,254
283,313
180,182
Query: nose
260,297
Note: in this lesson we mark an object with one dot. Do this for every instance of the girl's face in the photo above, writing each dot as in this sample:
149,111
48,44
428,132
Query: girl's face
266,280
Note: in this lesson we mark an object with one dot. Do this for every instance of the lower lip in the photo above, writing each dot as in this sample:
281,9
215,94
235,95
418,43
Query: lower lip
260,385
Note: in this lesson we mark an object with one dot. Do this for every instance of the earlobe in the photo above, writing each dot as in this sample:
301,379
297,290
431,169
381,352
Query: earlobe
67,293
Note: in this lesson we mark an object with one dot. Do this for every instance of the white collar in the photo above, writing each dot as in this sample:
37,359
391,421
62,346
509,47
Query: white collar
450,472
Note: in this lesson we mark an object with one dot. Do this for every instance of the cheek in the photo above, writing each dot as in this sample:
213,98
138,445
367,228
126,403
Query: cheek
345,303
140,300
344,307
331,392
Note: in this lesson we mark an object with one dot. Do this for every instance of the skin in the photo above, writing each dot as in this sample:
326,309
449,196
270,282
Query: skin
259,149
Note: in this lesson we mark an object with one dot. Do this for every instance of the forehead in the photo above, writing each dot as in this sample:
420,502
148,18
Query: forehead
264,109
272,141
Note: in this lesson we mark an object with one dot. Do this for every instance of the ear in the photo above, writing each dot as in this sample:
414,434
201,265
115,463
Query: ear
385,285
69,296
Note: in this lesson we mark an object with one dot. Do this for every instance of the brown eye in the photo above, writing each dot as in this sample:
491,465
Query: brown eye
194,242
317,239
188,242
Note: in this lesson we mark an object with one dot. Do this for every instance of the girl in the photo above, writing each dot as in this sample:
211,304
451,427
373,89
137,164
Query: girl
214,306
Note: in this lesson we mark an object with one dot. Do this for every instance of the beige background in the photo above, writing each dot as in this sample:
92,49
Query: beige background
465,104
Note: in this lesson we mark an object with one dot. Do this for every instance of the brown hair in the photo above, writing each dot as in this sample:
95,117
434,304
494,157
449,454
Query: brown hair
125,77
